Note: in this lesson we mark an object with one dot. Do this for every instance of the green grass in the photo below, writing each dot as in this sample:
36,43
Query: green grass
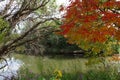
89,75
40,68
48,65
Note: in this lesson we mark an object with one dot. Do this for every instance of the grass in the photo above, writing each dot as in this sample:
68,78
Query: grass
89,75
48,65
42,68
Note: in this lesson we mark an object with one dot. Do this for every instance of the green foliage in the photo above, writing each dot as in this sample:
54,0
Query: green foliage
101,75
3,25
57,43
94,61
27,75
57,75
4,29
50,7
110,47
97,49
90,75
103,1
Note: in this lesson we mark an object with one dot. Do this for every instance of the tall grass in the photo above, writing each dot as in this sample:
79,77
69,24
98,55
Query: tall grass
39,68
48,65
89,75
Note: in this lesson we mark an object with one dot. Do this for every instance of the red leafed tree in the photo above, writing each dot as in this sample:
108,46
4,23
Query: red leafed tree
90,22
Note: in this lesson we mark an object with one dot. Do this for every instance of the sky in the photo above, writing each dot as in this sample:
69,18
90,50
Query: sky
63,2
59,2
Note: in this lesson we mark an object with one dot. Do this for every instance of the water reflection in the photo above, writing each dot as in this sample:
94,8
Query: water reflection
11,69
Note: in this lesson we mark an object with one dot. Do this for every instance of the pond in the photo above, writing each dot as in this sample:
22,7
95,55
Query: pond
11,69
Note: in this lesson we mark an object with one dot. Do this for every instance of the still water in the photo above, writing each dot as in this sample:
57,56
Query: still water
11,69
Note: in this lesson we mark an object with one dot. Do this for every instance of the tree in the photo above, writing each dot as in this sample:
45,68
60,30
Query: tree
92,24
18,14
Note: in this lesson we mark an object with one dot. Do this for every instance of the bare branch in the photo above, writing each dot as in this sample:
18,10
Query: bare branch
1,58
23,10
7,7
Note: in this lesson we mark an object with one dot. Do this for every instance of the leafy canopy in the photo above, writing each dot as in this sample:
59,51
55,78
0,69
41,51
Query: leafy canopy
90,24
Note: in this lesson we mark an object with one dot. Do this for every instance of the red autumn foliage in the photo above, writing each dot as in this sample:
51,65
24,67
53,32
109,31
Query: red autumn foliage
93,20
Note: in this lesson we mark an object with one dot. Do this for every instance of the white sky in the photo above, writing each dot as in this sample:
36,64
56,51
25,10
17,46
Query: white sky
63,2
66,2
